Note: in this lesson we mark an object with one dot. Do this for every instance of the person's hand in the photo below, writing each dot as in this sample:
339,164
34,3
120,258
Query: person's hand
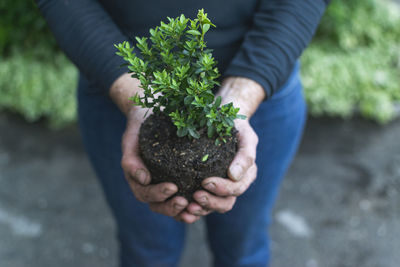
135,171
221,193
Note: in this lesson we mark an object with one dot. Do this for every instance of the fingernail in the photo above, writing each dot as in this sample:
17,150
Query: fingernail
168,191
142,176
209,186
178,207
203,200
236,172
196,211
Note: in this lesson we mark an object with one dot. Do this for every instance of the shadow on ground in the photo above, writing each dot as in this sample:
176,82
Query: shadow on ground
339,204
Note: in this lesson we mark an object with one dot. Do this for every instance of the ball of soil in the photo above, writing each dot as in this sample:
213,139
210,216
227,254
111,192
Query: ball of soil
179,160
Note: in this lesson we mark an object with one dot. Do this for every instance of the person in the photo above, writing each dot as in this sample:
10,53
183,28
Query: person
257,44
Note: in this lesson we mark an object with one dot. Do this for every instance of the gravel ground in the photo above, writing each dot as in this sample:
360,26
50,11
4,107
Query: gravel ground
339,205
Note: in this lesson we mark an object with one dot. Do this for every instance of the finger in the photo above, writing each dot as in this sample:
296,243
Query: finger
153,193
215,203
196,209
170,208
224,187
246,155
131,162
187,217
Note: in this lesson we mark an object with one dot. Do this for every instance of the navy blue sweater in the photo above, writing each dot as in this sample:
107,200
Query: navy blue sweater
256,39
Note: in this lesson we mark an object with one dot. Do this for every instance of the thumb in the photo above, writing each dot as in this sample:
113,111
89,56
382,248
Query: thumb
246,155
131,163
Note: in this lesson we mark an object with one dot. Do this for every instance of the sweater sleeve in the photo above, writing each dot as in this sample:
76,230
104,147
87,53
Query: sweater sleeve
281,30
86,33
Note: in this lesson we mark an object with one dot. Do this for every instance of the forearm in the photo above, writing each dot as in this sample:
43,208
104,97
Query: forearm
281,31
122,89
245,94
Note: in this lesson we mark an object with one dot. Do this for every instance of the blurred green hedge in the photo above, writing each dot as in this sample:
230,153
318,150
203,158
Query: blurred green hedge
353,64
36,79
39,89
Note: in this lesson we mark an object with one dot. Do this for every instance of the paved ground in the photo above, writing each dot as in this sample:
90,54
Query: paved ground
339,205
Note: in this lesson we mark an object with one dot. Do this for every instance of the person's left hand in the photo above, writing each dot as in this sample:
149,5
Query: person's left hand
158,196
221,193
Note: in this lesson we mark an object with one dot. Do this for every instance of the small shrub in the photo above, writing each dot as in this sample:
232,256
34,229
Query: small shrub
177,74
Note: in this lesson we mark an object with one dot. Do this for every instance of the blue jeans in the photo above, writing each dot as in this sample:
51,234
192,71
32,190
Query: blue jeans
236,238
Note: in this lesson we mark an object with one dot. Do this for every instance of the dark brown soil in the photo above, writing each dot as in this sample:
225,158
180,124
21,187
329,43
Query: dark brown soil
179,160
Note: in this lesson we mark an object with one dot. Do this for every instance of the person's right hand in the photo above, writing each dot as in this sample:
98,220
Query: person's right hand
135,171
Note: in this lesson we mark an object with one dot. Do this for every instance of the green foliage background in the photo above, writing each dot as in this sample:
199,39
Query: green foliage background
36,80
352,65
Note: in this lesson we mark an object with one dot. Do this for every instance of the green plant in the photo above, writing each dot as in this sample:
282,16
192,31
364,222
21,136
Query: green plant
350,24
23,28
36,79
353,64
366,80
177,74
39,89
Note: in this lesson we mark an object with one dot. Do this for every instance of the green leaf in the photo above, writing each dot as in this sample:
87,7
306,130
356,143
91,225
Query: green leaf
217,102
240,116
188,100
182,132
135,99
194,133
217,142
210,131
203,122
204,158
229,121
193,32
182,18
206,27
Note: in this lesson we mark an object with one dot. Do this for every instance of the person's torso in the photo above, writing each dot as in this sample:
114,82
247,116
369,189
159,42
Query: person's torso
232,18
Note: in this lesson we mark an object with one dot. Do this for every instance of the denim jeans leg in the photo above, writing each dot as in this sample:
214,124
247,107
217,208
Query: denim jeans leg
239,238
146,239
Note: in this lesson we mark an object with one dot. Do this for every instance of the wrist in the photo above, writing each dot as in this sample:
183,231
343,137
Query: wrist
244,93
123,88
